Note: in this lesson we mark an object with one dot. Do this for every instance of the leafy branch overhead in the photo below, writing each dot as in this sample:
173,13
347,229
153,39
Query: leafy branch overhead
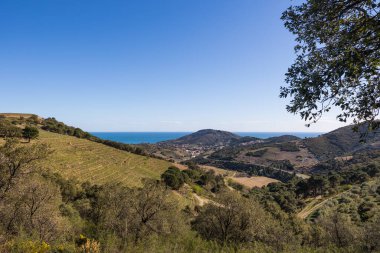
338,59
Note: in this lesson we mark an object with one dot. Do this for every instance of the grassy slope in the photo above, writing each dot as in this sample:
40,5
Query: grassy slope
16,115
97,163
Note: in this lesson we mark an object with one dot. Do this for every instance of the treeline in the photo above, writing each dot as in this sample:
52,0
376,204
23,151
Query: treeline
252,169
327,184
9,130
362,157
257,153
28,128
52,125
291,197
43,212
202,181
288,146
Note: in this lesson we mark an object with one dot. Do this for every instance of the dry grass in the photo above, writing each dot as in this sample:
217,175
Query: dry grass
251,182
241,178
16,115
89,161
180,166
219,171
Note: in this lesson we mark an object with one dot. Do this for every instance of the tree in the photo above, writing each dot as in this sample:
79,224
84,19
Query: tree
30,133
16,161
317,185
153,211
232,219
113,210
339,228
338,59
173,178
372,235
334,180
33,119
34,208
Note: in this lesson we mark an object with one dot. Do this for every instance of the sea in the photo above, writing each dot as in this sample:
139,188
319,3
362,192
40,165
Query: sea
154,137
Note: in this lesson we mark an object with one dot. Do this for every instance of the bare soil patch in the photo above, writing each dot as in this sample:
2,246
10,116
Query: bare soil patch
251,182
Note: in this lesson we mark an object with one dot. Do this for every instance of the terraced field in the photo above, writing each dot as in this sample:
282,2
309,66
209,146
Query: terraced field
89,161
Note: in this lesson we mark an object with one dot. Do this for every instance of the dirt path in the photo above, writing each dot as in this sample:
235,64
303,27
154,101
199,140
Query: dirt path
311,207
314,205
201,201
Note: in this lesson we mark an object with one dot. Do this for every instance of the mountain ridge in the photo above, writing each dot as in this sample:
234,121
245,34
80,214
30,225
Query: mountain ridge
207,137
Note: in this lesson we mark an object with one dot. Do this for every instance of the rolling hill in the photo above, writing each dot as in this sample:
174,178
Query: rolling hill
16,115
87,160
287,152
340,142
207,137
90,161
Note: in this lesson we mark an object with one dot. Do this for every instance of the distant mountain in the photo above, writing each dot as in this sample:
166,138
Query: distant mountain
290,152
341,141
283,152
282,138
244,140
206,137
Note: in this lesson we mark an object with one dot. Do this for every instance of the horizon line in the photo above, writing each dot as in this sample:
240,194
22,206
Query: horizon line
199,130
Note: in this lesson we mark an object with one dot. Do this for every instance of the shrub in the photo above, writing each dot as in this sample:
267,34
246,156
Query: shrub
30,133
173,178
237,186
27,246
87,245
197,189
9,130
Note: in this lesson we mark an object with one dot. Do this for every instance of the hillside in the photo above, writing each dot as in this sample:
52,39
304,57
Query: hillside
282,138
292,153
16,115
207,137
86,160
193,190
341,141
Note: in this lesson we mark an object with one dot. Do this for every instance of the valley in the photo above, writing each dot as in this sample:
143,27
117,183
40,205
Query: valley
284,153
283,178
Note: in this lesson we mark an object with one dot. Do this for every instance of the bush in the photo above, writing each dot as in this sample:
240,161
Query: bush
34,119
9,130
30,133
197,189
173,178
237,186
52,125
27,246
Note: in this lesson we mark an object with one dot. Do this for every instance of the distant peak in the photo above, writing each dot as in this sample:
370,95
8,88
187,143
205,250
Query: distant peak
206,137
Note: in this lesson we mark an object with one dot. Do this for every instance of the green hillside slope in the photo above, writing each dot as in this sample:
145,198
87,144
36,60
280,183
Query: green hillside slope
89,161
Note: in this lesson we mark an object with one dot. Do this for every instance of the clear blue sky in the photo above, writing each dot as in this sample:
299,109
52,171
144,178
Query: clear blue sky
149,65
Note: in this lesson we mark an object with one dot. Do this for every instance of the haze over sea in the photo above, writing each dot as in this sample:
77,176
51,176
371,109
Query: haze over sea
154,137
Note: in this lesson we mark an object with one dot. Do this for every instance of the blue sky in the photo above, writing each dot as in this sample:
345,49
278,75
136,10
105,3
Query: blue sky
149,65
